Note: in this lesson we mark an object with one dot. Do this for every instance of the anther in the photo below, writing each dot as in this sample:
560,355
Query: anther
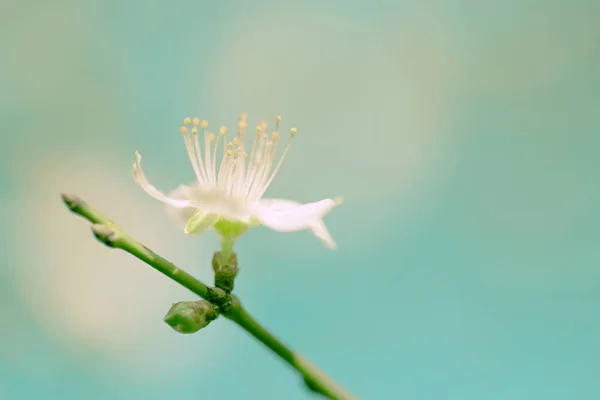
275,135
204,124
222,130
184,130
293,131
196,121
187,121
211,136
277,121
194,131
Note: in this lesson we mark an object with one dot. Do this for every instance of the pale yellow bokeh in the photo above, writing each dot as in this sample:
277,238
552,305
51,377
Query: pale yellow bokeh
100,304
383,141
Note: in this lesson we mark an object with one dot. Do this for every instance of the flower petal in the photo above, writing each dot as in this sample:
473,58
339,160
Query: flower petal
140,178
287,211
180,215
289,216
200,221
320,230
217,201
279,215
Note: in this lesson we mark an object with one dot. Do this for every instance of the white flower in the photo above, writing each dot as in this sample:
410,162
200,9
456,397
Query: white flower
229,198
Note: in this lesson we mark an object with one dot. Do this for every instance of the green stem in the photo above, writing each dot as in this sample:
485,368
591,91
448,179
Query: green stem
111,235
226,248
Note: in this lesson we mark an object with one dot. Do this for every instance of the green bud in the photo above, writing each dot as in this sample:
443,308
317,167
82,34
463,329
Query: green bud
200,221
225,272
190,316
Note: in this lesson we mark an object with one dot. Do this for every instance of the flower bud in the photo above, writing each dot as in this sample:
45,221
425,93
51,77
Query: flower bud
190,316
225,272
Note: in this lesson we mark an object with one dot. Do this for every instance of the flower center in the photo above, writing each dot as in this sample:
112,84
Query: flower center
239,175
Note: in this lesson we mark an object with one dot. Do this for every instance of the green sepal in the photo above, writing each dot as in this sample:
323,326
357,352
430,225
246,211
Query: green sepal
200,221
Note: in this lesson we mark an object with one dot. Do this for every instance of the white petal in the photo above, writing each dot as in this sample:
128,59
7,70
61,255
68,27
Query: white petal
180,215
288,211
200,221
289,216
320,230
140,178
320,208
217,201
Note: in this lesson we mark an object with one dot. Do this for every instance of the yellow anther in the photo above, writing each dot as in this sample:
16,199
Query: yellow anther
222,130
293,131
211,136
275,135
184,130
194,131
243,116
235,141
243,124
187,121
196,121
203,124
278,118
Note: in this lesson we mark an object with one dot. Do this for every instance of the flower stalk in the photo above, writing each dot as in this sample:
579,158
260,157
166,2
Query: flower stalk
113,236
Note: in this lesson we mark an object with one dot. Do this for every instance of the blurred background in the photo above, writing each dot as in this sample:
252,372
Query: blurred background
464,136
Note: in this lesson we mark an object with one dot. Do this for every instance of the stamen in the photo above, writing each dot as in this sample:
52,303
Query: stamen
190,150
207,153
287,148
222,131
238,175
256,162
252,156
242,126
199,158
263,169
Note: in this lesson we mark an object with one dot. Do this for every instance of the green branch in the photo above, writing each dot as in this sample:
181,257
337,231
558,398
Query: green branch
111,235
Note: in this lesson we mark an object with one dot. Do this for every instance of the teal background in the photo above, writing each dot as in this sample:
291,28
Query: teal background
464,136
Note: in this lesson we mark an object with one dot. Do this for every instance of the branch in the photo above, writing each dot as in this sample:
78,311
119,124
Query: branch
113,236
